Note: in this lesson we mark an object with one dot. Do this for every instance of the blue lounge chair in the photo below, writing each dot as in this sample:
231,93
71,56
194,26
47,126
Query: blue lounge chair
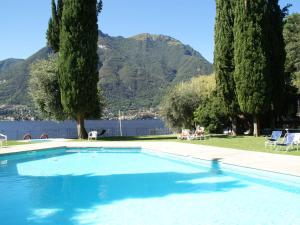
271,141
289,141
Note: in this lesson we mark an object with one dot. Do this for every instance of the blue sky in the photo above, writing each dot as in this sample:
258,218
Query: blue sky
24,23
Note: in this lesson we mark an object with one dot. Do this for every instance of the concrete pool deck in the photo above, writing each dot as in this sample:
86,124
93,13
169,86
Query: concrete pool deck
286,164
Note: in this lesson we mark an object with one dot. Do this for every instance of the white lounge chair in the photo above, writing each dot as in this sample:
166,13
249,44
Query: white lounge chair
92,135
3,138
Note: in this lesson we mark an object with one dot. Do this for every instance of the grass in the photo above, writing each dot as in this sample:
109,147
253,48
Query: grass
141,138
244,143
11,143
240,142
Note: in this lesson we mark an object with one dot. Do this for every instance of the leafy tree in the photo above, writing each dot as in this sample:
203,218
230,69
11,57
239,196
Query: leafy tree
212,114
179,104
53,31
292,47
78,61
252,72
224,57
44,88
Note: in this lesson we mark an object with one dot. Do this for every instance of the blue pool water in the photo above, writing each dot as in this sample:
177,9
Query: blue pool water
133,187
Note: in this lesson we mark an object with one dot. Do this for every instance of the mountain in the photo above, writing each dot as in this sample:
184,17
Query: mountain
9,63
14,77
135,71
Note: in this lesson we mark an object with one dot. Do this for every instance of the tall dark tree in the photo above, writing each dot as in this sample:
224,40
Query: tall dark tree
292,47
78,61
252,72
53,31
224,57
60,6
276,56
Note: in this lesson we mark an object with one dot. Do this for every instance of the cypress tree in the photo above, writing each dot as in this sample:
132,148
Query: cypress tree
252,72
224,57
292,46
276,56
78,61
53,31
59,9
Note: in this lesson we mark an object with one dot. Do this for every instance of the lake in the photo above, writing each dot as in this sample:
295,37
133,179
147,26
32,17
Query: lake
15,130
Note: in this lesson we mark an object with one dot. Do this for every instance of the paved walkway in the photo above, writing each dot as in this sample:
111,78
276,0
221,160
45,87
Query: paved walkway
265,161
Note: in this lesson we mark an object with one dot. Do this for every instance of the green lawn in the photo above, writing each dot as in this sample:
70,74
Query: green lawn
12,142
241,142
9,143
141,138
245,143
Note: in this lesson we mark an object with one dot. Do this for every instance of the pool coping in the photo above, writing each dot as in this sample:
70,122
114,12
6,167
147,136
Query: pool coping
284,164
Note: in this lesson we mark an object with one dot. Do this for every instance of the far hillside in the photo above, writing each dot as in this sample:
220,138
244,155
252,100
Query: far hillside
135,71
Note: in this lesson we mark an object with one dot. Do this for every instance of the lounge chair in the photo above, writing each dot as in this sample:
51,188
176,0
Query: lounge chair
198,134
44,136
92,135
184,135
271,141
3,138
290,140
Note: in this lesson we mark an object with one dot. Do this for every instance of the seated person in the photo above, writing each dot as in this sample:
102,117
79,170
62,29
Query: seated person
185,134
199,132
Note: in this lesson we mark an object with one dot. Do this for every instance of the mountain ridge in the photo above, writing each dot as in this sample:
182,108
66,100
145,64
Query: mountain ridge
135,71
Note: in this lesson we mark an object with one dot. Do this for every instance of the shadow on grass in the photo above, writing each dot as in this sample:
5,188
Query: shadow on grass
230,136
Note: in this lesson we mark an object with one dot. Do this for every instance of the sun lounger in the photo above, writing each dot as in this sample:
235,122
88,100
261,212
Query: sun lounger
271,141
289,142
198,134
184,135
3,139
92,135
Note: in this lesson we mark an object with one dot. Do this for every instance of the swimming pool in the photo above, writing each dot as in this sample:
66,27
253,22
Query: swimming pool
137,187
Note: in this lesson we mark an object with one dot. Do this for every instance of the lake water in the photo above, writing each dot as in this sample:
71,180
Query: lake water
67,129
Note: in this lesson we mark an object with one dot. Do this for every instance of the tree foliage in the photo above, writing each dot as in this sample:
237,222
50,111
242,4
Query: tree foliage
252,68
44,89
212,114
292,47
276,54
78,61
60,6
224,54
53,31
179,104
252,75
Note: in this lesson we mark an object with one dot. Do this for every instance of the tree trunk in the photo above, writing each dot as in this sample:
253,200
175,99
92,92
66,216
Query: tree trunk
234,125
256,128
82,134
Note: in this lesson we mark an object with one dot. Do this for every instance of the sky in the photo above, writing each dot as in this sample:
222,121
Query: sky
24,23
